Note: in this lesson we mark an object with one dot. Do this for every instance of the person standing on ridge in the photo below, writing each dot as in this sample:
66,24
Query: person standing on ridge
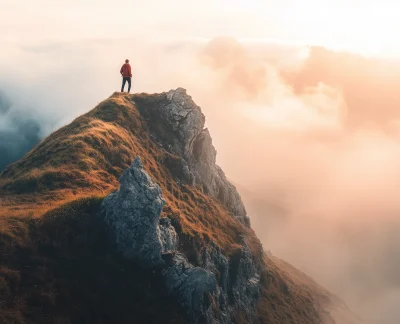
126,73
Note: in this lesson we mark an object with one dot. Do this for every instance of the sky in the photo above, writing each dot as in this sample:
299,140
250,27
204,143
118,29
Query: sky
313,132
362,26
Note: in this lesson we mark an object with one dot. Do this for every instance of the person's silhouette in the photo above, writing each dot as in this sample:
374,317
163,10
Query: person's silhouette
126,75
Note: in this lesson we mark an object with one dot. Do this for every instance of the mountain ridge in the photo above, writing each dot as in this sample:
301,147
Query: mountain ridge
79,165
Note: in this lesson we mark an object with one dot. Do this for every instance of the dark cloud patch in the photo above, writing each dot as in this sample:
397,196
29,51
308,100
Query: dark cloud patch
4,103
18,133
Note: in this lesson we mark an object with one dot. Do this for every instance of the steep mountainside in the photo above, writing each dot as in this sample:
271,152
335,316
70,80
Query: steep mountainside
124,217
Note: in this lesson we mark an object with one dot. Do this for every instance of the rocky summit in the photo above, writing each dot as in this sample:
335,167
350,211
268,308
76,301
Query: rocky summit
218,287
178,125
123,216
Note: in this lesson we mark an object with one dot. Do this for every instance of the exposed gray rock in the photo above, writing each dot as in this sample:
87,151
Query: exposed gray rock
192,286
179,168
185,119
217,287
178,124
211,292
168,236
134,211
210,175
238,279
244,279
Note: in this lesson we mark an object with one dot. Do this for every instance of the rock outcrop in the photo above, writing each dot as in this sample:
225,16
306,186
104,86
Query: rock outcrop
171,244
192,286
212,292
215,287
133,212
177,124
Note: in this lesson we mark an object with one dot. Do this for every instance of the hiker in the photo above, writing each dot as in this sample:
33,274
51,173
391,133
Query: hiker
126,75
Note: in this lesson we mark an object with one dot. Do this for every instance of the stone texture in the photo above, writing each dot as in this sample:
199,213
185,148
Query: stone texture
168,236
192,286
216,287
177,124
238,277
211,292
244,279
133,212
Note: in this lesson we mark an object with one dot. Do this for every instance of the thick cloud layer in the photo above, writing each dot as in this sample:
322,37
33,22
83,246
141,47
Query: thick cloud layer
311,137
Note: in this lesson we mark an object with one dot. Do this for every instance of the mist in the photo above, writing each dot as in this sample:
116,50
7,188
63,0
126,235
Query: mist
18,134
309,136
315,155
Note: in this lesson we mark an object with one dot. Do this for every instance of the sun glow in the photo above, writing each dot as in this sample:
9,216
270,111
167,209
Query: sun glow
365,27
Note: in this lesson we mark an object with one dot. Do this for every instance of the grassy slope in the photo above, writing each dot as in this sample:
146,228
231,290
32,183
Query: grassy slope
63,270
85,159
57,187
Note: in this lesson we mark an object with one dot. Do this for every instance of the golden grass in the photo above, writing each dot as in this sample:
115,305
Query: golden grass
86,157
289,296
62,268
80,164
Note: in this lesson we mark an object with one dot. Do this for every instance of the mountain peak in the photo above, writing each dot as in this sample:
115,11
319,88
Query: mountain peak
177,124
137,176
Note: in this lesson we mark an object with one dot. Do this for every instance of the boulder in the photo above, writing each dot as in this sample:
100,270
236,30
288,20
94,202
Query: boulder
133,212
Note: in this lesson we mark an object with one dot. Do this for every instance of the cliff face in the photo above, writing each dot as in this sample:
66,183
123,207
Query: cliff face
123,216
211,292
177,124
219,286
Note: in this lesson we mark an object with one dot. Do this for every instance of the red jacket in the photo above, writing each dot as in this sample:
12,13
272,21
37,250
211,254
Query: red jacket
126,70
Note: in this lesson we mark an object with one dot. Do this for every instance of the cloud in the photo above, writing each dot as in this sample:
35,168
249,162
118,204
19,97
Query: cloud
311,135
254,82
18,133
315,142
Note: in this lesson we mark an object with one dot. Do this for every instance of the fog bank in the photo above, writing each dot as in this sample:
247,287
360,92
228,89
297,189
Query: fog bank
310,136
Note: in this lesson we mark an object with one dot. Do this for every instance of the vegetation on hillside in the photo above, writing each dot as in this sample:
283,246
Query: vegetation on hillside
57,264
62,268
86,157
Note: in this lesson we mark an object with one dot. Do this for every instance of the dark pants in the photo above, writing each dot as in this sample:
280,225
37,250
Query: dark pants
124,80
